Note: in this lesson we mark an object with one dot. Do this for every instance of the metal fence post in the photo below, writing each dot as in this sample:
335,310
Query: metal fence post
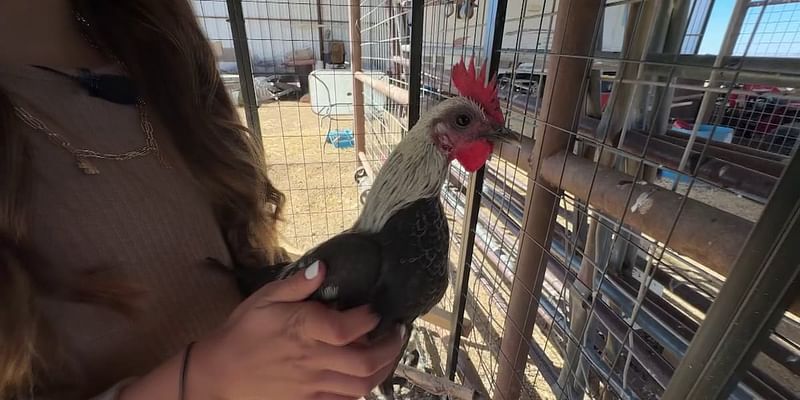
247,86
494,24
759,288
415,69
568,65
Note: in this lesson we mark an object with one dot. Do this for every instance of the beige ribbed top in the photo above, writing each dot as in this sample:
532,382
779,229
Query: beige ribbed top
150,223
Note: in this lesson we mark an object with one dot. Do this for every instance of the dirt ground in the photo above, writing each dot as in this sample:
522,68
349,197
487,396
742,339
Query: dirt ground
718,198
317,178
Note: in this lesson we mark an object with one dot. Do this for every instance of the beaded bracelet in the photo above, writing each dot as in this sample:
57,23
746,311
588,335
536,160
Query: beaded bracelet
184,368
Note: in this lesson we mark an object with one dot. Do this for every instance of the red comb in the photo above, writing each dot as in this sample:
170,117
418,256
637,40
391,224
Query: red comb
470,85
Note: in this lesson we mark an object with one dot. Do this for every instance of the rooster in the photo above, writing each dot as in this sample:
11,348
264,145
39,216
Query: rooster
394,257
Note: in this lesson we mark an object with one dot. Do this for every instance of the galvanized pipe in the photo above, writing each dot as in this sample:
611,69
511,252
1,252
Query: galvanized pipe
709,98
676,32
664,151
756,160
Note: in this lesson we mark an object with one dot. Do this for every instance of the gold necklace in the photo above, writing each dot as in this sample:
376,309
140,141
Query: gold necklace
83,157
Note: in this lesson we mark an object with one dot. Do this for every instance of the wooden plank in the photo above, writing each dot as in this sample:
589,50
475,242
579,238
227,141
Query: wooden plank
441,318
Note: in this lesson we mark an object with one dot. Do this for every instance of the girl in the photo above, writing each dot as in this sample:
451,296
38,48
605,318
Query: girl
123,167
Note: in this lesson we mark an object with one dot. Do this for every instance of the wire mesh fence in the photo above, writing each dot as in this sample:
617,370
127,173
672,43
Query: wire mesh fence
584,259
305,111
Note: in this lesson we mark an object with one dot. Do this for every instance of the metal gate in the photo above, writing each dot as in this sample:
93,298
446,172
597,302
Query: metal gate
637,243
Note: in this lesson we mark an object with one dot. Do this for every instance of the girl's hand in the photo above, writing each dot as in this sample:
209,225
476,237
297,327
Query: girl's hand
276,346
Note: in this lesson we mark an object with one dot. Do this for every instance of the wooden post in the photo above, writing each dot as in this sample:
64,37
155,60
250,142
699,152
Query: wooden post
563,94
436,385
355,65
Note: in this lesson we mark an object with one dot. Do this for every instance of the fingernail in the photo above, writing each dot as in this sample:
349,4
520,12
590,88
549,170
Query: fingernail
403,332
312,270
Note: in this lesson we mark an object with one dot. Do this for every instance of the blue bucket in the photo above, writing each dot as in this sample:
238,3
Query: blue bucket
340,138
671,175
721,133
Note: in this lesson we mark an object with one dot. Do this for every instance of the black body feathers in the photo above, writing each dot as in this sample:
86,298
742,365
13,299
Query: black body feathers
400,271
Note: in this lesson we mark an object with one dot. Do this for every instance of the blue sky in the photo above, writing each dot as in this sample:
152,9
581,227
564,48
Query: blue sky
777,35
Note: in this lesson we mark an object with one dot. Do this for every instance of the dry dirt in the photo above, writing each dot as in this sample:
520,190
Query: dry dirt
317,179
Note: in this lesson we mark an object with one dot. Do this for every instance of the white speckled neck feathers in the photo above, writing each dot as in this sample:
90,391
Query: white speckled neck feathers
415,170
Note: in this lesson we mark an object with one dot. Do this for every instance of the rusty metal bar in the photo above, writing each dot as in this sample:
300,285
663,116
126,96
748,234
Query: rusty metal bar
563,94
708,235
355,65
661,150
722,165
660,308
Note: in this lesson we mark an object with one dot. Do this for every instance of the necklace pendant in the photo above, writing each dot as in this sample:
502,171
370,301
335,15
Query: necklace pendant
87,167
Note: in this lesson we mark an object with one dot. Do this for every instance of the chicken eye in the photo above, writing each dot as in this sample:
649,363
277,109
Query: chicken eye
463,120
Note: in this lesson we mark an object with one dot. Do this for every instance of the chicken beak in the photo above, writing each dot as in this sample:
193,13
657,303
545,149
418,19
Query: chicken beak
501,135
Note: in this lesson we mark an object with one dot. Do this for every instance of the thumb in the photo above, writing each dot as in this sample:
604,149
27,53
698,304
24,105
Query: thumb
298,287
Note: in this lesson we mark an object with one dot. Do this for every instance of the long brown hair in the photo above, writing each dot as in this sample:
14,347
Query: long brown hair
167,55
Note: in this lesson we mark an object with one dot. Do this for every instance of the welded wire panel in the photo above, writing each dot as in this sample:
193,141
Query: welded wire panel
446,39
384,29
304,92
638,246
604,237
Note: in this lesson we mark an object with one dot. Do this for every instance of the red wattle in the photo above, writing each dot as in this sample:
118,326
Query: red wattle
473,155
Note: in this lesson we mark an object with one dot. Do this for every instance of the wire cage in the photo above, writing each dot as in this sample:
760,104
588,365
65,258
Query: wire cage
299,103
635,243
